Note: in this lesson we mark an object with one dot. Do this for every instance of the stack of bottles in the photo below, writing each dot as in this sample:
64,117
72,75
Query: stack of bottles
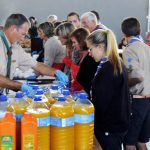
46,124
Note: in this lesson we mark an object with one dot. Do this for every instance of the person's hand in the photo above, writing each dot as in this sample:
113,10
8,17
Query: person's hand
62,77
26,88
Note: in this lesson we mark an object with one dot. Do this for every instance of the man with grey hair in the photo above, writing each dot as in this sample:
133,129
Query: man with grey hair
90,22
52,18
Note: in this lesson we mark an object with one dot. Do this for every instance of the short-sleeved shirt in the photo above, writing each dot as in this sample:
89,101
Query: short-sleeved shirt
54,52
20,59
139,55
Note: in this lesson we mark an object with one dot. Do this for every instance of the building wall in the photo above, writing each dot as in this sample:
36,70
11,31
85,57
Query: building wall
112,12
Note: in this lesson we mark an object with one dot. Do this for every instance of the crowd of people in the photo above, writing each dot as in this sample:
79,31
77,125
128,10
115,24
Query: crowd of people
83,54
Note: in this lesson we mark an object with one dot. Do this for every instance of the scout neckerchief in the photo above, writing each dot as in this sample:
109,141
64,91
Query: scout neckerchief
136,38
9,53
99,67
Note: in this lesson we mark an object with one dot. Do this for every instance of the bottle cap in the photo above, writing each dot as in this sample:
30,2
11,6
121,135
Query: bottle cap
3,98
82,95
66,92
35,87
61,99
39,92
37,98
19,94
54,87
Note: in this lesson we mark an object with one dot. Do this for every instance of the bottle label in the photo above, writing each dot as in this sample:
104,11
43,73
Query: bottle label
28,142
18,117
62,122
6,142
42,122
84,118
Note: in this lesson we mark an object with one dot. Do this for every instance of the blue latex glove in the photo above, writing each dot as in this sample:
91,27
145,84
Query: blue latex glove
26,88
61,77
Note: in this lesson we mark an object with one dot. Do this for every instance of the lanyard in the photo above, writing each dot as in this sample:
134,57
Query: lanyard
136,38
9,53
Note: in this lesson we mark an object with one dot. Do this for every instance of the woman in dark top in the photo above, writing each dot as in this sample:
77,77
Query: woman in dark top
87,64
109,90
84,74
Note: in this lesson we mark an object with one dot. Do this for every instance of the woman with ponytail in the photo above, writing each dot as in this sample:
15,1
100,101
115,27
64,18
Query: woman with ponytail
109,90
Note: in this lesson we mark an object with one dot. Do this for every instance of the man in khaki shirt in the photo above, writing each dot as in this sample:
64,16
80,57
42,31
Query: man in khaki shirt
136,57
15,29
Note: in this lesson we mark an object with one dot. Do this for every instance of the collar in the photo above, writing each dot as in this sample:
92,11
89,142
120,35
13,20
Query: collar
97,27
135,39
9,44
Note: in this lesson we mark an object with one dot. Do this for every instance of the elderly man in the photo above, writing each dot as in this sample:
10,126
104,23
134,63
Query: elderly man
90,22
13,56
52,19
74,18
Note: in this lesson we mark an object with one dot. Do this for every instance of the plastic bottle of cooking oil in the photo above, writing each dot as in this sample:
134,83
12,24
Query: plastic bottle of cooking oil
28,132
62,125
19,104
39,110
8,132
84,123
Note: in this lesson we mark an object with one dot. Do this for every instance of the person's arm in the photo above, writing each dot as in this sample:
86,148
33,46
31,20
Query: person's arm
49,71
44,69
28,62
10,84
134,81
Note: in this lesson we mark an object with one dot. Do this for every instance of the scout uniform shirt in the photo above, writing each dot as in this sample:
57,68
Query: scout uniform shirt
20,59
137,57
